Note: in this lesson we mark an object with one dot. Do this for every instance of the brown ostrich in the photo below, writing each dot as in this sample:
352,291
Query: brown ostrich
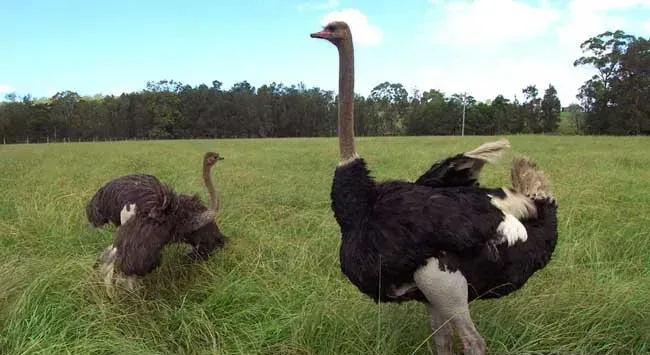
149,215
442,240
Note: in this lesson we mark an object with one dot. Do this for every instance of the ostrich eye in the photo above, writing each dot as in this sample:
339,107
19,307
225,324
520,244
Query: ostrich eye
330,28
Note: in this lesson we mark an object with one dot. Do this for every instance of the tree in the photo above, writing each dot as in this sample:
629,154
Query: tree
532,109
613,98
480,119
576,116
500,110
11,97
392,104
551,108
631,87
62,113
432,115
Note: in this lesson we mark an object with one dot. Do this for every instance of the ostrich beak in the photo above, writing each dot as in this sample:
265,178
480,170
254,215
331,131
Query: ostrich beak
324,34
220,158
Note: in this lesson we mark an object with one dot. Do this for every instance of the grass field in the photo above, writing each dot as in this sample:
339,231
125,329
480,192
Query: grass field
277,287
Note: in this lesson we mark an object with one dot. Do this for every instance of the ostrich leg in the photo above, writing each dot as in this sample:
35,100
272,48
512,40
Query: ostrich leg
447,294
443,331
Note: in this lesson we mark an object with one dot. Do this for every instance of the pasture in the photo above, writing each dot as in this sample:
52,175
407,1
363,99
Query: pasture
277,288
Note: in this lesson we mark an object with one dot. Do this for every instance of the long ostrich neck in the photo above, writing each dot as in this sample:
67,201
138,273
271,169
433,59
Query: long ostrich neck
353,189
346,101
207,179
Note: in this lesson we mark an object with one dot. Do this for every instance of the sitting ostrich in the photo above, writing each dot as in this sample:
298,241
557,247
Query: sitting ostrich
441,240
149,215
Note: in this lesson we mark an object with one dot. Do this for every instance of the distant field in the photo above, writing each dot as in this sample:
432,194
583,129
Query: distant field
277,287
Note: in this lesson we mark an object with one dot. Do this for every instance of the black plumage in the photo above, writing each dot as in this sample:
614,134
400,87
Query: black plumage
392,228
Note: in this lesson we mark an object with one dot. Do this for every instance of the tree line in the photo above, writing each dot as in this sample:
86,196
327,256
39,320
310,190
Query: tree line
612,102
169,110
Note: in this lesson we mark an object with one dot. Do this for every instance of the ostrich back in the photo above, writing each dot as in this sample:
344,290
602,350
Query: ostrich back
151,197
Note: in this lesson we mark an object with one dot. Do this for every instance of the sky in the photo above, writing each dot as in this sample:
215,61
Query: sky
483,47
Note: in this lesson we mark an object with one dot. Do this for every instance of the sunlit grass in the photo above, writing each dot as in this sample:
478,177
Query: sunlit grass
277,288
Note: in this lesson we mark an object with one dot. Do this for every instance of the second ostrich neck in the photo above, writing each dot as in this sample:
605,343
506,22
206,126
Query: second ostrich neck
207,179
346,102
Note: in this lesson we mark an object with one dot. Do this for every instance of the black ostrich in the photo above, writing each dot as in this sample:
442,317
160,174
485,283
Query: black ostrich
442,240
150,215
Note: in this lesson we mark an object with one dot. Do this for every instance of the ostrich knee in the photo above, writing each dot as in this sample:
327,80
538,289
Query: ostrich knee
473,343
116,278
106,268
108,280
129,283
443,332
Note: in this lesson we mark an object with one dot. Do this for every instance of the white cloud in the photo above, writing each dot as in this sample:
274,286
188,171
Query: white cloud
588,18
605,5
646,28
363,32
5,89
326,5
491,22
581,26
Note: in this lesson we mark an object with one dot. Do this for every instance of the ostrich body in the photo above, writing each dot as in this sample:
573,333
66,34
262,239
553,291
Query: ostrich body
441,240
149,215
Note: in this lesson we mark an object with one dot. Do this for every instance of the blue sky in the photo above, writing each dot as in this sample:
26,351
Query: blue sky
484,47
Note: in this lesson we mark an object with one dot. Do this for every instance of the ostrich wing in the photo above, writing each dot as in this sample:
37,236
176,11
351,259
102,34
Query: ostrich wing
462,169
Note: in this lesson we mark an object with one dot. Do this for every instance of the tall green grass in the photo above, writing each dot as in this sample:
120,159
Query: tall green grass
277,288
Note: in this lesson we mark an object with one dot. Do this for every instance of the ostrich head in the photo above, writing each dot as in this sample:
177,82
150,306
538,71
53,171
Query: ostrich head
335,32
211,158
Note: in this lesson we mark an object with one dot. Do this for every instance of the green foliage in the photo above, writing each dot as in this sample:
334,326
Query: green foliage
277,287
551,109
532,108
170,110
615,99
572,120
431,105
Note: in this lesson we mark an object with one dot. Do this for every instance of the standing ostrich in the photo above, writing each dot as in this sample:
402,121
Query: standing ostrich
443,242
149,215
